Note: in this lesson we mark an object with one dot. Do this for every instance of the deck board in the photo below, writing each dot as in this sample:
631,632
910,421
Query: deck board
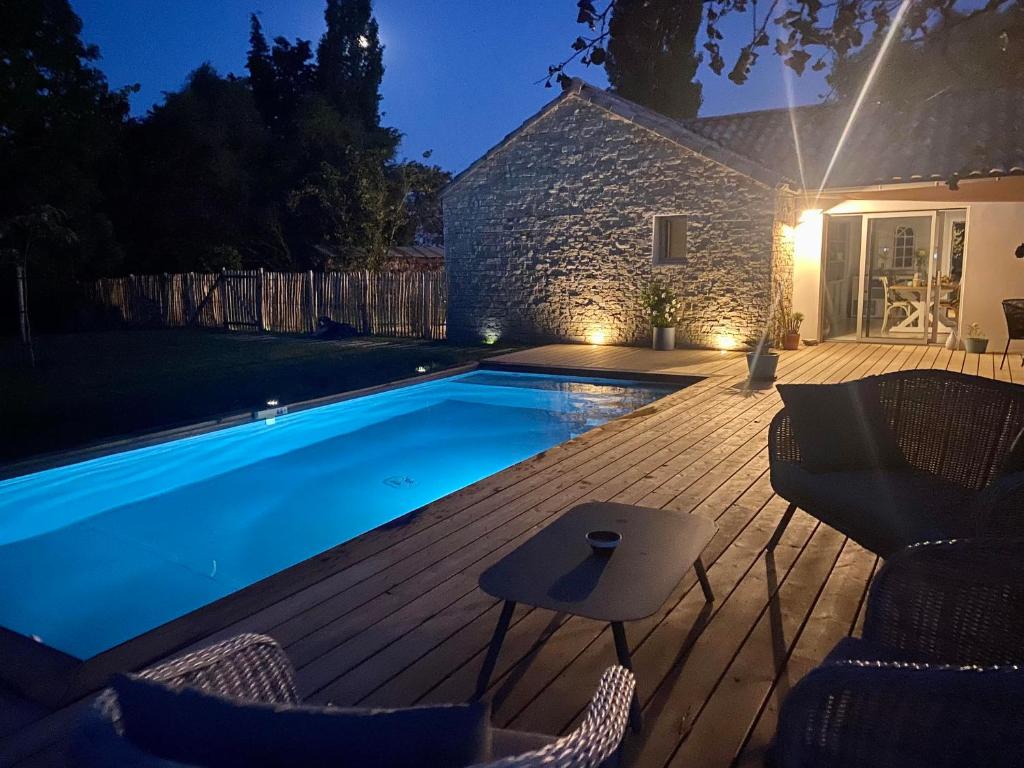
395,617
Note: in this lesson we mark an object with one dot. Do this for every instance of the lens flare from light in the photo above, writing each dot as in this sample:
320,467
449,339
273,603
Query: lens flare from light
890,35
787,79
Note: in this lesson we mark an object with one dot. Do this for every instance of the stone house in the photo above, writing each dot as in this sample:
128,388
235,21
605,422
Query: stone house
553,233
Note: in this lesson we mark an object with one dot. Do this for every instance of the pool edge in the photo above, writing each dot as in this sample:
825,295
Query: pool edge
129,442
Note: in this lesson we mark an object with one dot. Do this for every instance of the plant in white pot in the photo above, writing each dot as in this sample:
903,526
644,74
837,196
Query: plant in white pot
975,340
662,307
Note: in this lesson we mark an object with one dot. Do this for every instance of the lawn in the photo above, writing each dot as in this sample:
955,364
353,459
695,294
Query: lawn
89,387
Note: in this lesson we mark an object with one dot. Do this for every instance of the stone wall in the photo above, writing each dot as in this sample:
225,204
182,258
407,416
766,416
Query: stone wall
550,238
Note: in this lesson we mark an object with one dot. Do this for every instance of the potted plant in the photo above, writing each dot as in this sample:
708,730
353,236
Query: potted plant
761,361
662,308
975,341
791,332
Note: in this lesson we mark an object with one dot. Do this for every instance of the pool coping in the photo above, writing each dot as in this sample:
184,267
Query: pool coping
56,679
620,374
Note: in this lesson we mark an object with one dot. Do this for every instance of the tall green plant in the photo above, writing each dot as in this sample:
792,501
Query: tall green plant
651,54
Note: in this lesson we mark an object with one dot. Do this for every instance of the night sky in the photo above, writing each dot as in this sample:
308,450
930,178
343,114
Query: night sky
459,73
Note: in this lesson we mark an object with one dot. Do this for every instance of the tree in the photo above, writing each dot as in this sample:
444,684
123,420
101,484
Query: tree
650,56
262,77
802,32
41,226
60,132
986,49
199,160
280,77
286,168
351,60
421,185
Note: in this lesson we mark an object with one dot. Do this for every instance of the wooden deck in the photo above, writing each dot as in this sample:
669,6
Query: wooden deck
397,618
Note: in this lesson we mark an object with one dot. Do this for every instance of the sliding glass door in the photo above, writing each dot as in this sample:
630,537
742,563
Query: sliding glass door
897,272
841,278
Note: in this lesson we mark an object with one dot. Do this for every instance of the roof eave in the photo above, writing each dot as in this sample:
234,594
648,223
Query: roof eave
566,93
664,127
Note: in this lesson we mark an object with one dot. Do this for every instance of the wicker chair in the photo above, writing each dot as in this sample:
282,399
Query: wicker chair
254,668
955,432
1013,310
936,680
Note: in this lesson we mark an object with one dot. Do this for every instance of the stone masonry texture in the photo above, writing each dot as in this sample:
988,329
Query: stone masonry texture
551,237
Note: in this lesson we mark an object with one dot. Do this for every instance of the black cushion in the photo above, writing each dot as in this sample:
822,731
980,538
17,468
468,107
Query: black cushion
881,511
202,729
841,426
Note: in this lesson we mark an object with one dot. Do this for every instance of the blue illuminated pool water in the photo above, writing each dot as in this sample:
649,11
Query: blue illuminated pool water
95,553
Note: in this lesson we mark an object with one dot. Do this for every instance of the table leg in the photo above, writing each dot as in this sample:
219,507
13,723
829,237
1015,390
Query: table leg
494,649
622,650
702,577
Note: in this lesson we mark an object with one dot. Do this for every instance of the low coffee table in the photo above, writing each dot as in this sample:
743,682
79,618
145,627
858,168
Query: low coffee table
556,569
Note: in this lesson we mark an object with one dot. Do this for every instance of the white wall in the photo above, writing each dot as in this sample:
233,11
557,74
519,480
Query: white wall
807,272
991,271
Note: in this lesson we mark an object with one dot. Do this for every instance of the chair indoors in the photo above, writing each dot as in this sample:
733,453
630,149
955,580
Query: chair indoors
236,700
936,680
904,457
892,303
1013,311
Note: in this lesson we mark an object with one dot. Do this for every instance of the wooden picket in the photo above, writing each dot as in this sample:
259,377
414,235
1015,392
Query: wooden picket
408,304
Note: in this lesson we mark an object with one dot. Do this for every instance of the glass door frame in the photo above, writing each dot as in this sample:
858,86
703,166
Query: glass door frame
927,322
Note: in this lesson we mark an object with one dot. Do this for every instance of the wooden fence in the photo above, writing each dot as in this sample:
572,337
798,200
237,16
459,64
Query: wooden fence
408,304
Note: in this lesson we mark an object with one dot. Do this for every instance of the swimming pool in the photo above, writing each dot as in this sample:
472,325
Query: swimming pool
96,553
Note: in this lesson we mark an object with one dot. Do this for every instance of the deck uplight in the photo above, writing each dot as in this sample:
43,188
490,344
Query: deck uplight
272,403
490,331
421,369
597,336
723,342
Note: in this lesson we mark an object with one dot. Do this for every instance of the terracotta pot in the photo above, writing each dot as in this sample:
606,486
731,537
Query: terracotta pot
663,339
762,365
791,341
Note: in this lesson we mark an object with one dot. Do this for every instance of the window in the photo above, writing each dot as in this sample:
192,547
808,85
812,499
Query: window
670,239
903,248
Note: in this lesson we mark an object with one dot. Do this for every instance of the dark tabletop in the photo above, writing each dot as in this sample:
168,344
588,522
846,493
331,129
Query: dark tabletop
556,569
